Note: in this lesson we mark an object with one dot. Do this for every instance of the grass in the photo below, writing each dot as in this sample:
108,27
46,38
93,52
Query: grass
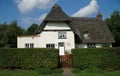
116,73
96,72
24,73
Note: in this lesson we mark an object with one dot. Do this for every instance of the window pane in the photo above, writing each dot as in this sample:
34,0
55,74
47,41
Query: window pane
46,45
91,45
26,45
62,35
31,45
50,45
61,44
86,35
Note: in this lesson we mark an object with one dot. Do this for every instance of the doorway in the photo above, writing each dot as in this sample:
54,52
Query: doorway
61,47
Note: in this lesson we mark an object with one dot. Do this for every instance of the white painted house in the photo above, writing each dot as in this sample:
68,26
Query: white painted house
65,33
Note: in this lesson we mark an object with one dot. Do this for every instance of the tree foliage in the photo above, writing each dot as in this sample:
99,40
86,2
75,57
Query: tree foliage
9,36
114,24
3,28
32,28
9,33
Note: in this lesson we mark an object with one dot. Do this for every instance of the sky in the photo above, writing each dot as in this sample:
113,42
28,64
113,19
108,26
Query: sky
27,12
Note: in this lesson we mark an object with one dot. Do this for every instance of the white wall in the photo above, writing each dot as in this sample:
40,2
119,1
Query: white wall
56,26
85,45
21,40
101,45
49,37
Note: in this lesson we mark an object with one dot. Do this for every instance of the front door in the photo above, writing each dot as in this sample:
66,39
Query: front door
61,48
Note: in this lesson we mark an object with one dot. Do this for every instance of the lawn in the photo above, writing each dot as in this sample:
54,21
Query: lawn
116,73
96,72
24,73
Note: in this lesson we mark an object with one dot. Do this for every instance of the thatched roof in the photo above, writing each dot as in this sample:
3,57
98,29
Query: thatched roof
56,14
97,29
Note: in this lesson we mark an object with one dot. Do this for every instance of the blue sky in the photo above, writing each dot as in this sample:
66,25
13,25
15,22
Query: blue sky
27,12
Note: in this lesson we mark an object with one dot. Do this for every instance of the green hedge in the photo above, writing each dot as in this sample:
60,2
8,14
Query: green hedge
29,58
104,58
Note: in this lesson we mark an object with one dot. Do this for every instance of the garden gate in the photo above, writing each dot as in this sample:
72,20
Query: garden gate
66,61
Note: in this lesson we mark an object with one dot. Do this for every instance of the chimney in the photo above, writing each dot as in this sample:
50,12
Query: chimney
99,16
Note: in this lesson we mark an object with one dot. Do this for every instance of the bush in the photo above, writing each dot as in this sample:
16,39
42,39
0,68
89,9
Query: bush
103,58
29,58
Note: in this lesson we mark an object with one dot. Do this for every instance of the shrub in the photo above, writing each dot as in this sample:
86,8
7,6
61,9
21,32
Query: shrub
29,58
103,58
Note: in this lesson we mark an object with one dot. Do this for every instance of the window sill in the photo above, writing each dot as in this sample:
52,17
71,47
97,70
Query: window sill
62,38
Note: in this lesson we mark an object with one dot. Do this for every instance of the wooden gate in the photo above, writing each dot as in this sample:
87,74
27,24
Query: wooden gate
66,61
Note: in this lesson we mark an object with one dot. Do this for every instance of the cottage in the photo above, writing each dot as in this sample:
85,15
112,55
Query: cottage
62,32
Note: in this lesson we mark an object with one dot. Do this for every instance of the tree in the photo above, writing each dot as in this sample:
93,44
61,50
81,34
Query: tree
114,24
32,28
3,28
10,37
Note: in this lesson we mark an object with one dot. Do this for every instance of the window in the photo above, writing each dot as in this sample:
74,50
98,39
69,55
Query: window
91,45
86,35
29,45
50,45
61,44
62,35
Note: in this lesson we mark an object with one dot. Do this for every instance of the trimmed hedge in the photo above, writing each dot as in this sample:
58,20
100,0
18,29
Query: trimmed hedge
29,58
104,58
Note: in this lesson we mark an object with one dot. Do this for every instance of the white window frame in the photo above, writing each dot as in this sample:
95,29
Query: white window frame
86,35
62,35
91,45
50,45
29,45
26,45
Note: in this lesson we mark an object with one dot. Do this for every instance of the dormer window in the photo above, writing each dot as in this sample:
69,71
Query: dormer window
62,35
86,35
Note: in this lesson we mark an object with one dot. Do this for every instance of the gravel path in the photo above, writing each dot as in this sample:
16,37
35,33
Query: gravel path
67,72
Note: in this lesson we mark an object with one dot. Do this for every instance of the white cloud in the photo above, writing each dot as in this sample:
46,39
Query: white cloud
87,11
29,20
26,6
